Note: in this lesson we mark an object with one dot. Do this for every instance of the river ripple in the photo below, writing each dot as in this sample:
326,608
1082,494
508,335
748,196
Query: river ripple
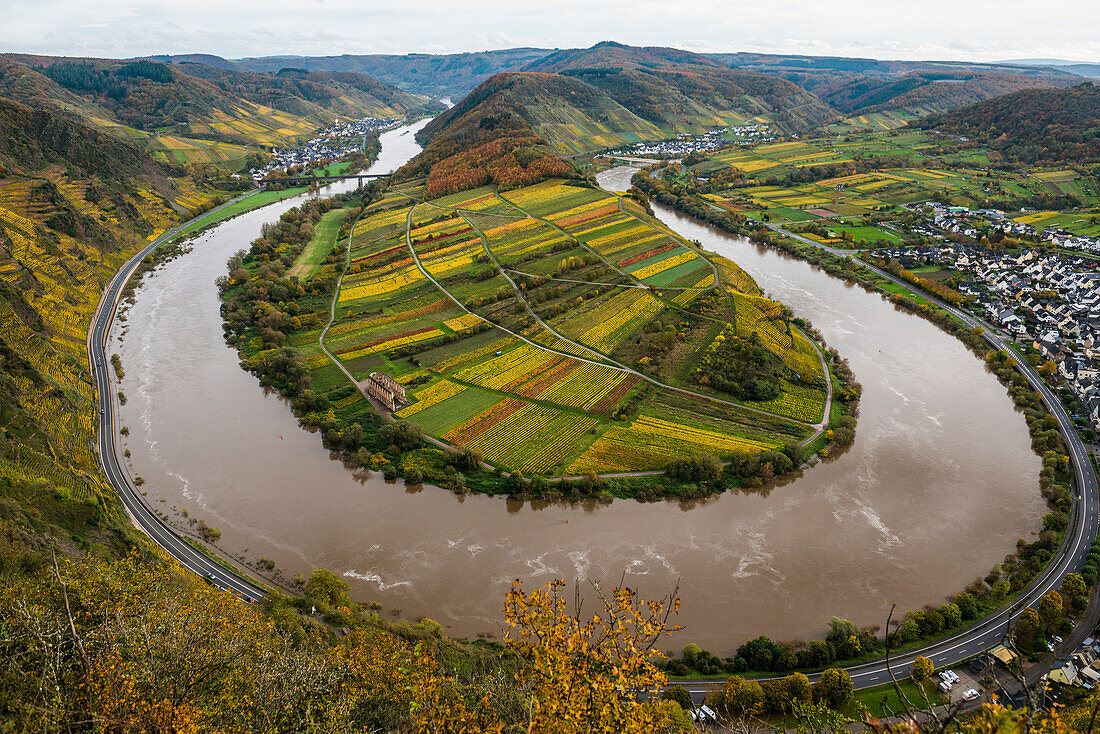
937,487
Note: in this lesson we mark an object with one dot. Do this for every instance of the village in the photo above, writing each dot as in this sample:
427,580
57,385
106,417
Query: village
1046,299
686,143
336,141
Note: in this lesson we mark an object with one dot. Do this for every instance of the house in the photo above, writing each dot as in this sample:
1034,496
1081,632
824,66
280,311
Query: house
1065,673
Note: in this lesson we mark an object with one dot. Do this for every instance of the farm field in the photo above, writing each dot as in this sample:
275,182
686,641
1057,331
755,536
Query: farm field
551,330
811,180
324,239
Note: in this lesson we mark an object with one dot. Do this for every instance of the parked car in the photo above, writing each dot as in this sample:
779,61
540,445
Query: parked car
970,694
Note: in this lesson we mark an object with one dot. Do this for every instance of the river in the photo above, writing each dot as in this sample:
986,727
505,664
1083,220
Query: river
937,487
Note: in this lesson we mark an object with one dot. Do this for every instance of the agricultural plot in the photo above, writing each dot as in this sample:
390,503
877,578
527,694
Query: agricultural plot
910,176
520,368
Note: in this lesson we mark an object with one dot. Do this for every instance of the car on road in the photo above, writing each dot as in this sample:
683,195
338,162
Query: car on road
970,694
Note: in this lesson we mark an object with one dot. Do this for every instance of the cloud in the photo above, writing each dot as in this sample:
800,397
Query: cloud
975,30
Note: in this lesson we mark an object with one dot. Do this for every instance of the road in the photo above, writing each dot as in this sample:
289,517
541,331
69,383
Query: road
971,641
141,515
990,631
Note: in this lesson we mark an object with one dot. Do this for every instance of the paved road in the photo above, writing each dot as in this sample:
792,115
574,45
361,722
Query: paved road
990,631
144,517
971,641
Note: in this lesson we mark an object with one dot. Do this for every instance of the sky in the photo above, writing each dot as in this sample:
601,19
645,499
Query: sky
978,30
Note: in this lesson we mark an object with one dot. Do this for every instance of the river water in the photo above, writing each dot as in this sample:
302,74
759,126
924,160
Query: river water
937,487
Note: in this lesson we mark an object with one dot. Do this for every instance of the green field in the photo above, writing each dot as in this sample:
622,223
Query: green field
318,248
561,326
252,201
769,182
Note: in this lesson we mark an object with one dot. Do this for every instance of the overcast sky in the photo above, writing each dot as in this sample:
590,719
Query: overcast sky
913,29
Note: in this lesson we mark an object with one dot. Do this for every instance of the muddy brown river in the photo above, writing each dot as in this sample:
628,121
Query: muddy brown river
938,486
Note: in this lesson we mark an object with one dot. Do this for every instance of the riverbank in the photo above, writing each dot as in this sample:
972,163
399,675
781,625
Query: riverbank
1030,558
204,437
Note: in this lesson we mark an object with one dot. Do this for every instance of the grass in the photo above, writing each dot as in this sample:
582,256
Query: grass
318,248
249,202
885,698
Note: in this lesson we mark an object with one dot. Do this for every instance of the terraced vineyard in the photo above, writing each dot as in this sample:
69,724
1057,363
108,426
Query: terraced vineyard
554,330
50,281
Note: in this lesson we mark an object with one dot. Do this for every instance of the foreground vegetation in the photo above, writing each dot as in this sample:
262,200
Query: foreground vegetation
138,644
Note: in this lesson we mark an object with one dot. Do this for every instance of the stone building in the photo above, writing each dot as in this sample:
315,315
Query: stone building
386,390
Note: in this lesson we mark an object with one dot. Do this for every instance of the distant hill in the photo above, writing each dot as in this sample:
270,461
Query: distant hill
602,98
205,59
860,86
197,100
1092,71
570,114
1033,126
684,91
495,121
433,75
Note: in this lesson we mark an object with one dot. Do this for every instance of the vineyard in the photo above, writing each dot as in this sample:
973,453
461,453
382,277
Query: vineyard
515,320
60,239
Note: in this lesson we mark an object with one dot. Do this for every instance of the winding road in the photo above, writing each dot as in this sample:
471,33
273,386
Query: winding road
991,630
978,637
140,513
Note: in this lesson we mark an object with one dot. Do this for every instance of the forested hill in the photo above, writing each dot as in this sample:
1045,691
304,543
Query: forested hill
860,86
1032,126
676,89
197,100
581,101
434,75
572,115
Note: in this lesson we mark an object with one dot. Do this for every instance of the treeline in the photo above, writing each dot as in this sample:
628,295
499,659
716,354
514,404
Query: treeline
936,288
84,76
1034,126
510,163
669,194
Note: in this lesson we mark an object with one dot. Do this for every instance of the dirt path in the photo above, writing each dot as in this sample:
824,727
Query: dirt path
604,360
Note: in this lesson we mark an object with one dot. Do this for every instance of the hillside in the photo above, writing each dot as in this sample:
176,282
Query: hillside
901,89
586,100
681,91
432,75
74,203
197,113
571,115
1032,126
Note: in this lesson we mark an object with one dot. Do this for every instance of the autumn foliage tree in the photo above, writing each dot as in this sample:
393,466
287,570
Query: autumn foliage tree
133,645
581,673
